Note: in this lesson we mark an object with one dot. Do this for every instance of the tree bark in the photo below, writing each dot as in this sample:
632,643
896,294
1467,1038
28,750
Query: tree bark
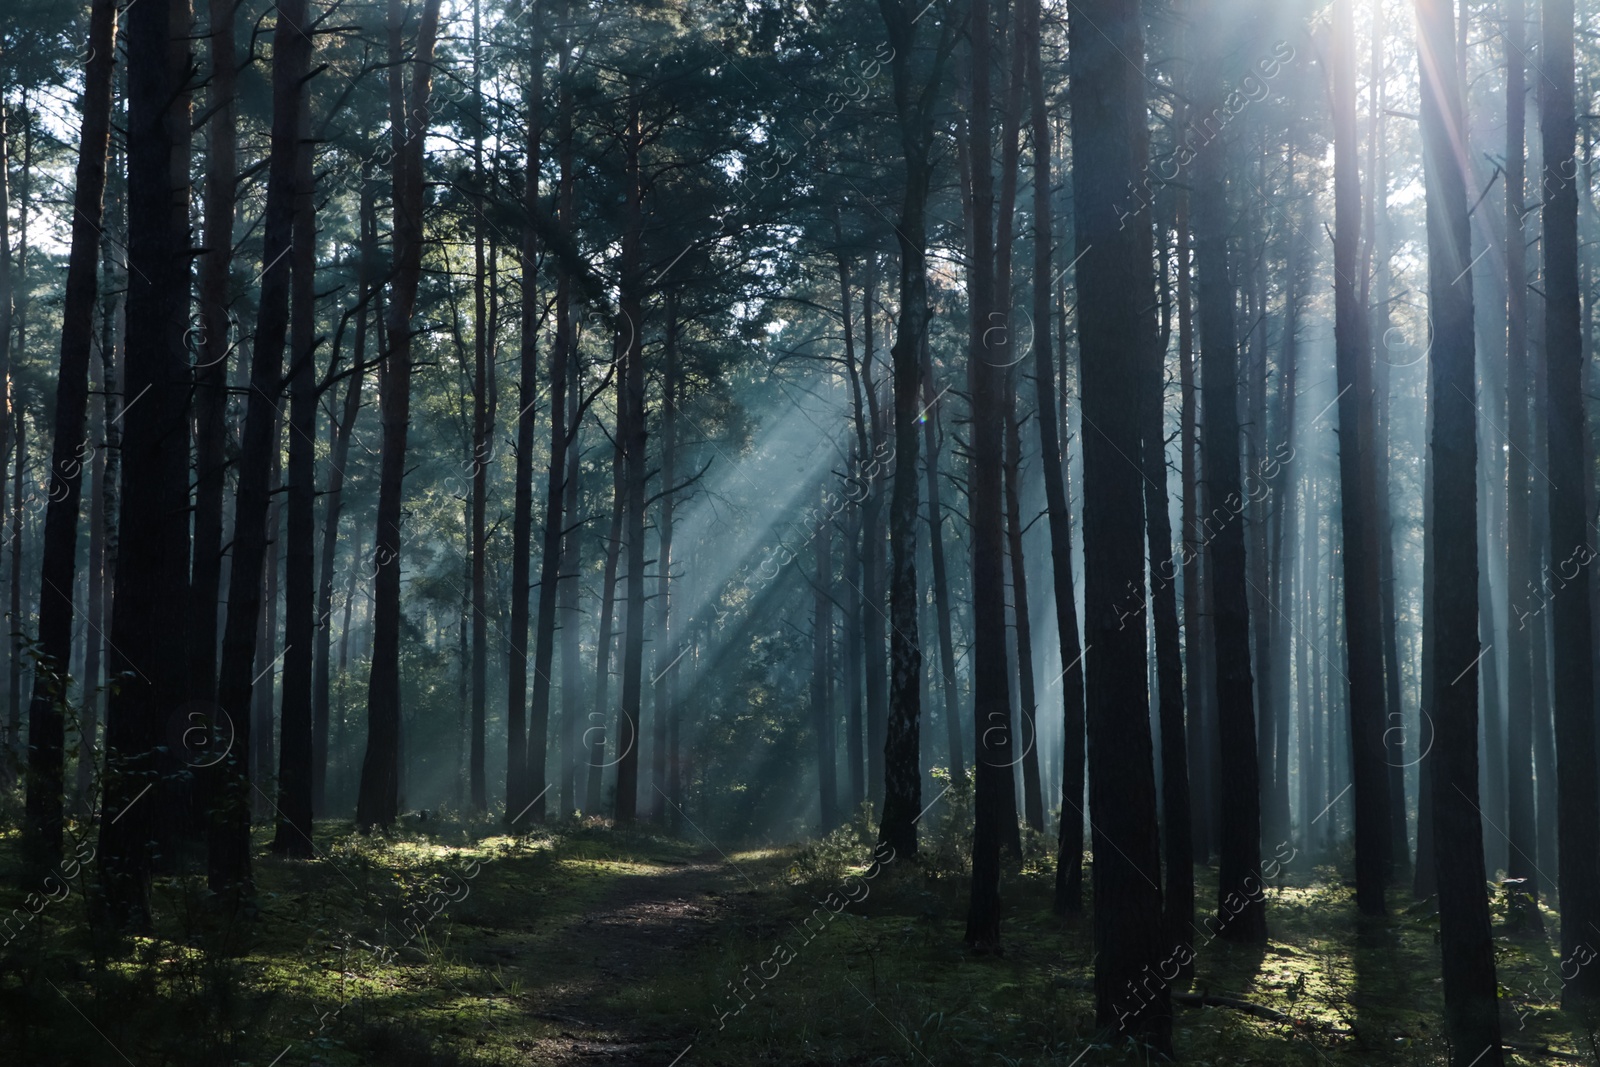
902,754
1522,860
1578,876
295,745
1358,499
149,628
518,793
1471,1016
46,723
1115,287
378,802
992,745
1239,793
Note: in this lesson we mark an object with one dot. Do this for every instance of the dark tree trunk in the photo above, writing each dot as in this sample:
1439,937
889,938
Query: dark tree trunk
229,851
483,426
1002,342
914,106
518,793
215,341
378,802
992,746
149,628
1196,655
665,641
1358,499
46,723
821,708
941,581
596,734
339,456
1471,1016
1115,290
551,548
1522,860
1241,909
1570,623
1178,848
295,745
632,437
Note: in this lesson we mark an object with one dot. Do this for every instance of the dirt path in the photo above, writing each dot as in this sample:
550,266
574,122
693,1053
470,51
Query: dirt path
634,936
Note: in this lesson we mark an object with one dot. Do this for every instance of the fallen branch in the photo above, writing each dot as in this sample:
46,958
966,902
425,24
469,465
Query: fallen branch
1215,1000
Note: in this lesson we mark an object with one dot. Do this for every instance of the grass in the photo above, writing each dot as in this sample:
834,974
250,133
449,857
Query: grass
586,944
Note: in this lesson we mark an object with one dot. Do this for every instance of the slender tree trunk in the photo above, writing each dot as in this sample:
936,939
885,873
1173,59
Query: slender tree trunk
596,734
1115,286
1195,654
215,342
46,723
229,852
941,581
665,641
1178,848
632,436
295,745
339,456
1579,812
551,549
1032,793
149,631
902,754
1471,1016
821,711
483,432
518,793
1236,731
1358,499
1522,860
378,802
986,379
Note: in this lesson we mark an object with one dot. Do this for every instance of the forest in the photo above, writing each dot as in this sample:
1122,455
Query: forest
799,532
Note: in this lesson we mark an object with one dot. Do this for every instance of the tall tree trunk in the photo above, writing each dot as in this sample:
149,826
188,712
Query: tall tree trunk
1028,703
1196,656
339,456
1002,343
986,379
1240,795
378,802
1450,611
665,641
561,435
46,723
518,793
821,709
902,754
596,734
1178,848
1522,861
940,574
215,342
1579,813
294,809
229,852
149,628
1115,286
1358,500
632,436
483,430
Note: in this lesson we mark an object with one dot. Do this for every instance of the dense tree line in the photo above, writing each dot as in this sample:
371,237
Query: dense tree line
1160,420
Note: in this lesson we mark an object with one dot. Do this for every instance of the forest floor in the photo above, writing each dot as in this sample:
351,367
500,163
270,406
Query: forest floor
446,944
